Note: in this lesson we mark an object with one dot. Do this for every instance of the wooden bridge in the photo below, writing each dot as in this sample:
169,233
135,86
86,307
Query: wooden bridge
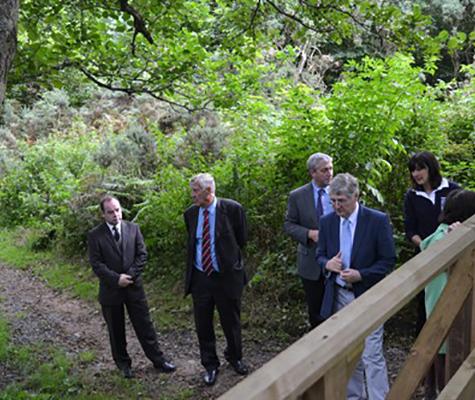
319,365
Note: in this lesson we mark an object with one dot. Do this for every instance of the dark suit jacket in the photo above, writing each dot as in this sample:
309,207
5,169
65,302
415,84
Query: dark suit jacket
373,253
230,238
301,216
108,262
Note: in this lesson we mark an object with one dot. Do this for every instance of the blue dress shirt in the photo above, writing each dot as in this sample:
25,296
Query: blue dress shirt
326,203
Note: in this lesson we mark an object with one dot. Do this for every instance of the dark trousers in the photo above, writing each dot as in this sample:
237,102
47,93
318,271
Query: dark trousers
208,292
421,311
140,317
314,297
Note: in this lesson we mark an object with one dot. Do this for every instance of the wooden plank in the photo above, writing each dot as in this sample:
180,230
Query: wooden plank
434,331
462,384
334,384
458,340
292,372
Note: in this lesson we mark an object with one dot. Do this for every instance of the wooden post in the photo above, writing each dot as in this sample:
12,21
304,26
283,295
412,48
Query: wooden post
334,383
434,331
462,385
458,341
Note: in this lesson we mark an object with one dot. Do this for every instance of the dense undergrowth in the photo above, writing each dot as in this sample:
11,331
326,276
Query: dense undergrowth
65,150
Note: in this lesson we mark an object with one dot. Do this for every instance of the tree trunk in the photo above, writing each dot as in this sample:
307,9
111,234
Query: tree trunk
8,40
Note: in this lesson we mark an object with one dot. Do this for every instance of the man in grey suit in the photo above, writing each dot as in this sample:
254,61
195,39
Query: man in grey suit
117,255
305,207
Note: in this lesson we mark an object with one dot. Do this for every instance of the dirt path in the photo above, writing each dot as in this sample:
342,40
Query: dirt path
39,314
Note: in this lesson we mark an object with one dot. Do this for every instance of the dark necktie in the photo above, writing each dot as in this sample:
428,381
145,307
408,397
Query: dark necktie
319,205
206,262
116,233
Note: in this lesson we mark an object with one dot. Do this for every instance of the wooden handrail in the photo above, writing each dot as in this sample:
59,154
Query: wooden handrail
307,363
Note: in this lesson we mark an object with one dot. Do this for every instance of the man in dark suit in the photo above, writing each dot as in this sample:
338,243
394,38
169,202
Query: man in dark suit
306,205
117,255
215,276
355,251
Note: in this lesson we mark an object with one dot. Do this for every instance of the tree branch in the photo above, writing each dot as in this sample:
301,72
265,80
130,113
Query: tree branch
130,91
296,19
139,23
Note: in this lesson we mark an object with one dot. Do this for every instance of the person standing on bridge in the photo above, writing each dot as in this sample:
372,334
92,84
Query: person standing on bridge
459,207
355,251
423,204
215,275
117,255
306,205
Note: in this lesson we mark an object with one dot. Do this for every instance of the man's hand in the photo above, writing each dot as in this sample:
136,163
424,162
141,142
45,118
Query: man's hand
335,263
350,275
125,280
313,235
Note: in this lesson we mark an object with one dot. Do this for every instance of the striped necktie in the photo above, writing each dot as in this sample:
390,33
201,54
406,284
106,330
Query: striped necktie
319,205
206,262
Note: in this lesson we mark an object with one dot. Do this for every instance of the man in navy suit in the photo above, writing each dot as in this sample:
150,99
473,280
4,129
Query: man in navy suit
355,251
215,275
117,255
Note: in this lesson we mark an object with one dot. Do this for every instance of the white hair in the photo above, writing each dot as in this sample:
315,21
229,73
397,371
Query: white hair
203,181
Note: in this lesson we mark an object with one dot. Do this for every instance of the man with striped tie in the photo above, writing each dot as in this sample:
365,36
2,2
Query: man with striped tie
215,276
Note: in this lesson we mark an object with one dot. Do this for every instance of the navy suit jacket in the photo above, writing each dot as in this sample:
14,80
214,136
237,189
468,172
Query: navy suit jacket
230,239
373,253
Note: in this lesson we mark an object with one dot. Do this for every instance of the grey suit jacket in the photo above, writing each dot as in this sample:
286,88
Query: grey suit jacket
108,261
301,216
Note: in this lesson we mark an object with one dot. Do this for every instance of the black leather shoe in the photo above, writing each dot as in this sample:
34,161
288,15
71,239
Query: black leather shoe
165,366
210,376
127,372
239,367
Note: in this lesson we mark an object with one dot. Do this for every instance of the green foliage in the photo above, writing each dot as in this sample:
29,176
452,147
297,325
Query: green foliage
4,338
49,373
142,151
196,52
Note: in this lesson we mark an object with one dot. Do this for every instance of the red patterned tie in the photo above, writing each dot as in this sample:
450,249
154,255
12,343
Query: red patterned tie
206,262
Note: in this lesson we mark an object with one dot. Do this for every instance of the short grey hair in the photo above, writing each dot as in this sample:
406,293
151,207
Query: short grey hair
317,158
203,181
344,184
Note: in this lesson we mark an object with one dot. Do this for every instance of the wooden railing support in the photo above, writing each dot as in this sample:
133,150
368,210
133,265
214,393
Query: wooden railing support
319,365
330,385
462,384
434,331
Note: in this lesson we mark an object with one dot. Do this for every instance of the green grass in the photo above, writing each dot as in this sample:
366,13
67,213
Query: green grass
16,251
49,373
4,338
169,309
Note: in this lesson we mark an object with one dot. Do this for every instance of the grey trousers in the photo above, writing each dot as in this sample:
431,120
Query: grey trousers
372,364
